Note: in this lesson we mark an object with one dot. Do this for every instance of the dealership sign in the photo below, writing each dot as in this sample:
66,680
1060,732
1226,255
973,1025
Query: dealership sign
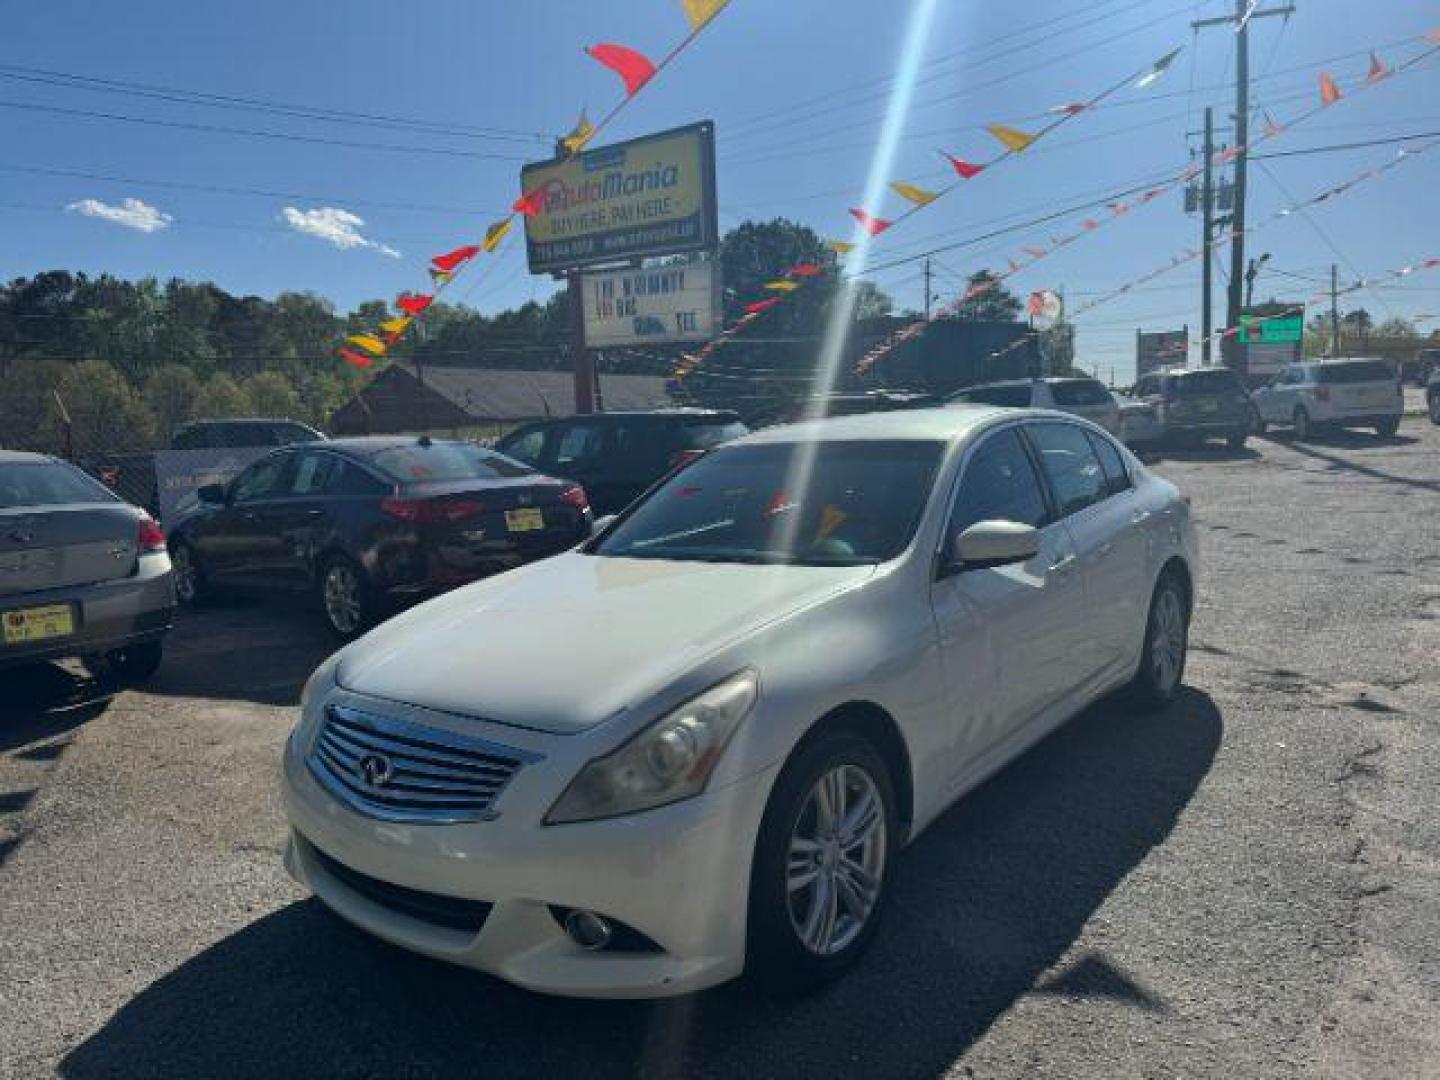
651,306
1162,349
649,196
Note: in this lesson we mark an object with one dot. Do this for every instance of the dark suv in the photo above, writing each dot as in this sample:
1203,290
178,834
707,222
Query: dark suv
1197,404
616,456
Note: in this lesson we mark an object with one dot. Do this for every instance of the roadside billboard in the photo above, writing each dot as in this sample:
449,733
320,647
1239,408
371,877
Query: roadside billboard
1161,349
1270,337
651,306
650,196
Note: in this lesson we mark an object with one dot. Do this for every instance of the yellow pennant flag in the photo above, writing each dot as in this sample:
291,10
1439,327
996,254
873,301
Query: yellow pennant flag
580,134
397,326
782,286
1015,140
840,247
495,233
918,195
700,12
369,342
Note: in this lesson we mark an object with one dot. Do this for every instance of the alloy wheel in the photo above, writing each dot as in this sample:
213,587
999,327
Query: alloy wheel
342,598
836,861
1167,640
182,565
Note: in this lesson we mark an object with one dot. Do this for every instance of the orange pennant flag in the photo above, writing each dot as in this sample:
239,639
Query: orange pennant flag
496,232
1329,92
700,12
917,195
840,247
1013,139
634,68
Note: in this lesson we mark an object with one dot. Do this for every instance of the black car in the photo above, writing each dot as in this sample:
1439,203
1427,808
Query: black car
368,522
617,456
1194,404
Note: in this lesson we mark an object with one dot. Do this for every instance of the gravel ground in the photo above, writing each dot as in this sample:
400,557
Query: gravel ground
1245,885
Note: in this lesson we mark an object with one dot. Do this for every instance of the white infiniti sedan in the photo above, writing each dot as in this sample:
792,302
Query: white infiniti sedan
694,746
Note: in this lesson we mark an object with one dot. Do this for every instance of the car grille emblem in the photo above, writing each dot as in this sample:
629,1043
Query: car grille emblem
377,769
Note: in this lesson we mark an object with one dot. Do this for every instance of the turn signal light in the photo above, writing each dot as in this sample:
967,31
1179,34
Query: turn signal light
575,496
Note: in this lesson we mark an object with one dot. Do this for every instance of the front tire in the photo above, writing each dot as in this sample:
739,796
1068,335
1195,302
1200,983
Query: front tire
1388,427
1304,429
191,587
346,598
1257,423
1236,441
1167,644
1434,409
822,864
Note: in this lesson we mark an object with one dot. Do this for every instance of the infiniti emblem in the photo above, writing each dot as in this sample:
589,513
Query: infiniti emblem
377,769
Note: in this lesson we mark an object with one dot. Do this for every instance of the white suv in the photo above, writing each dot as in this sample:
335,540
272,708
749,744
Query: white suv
1081,396
1332,393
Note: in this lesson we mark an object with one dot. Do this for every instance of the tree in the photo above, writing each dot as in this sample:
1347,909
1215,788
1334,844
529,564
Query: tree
995,303
106,414
221,397
29,415
271,394
171,391
1397,328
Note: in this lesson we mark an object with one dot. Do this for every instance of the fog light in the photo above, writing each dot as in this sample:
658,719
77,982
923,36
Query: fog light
587,930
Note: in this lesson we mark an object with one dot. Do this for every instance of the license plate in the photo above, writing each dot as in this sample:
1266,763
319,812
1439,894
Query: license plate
38,623
527,519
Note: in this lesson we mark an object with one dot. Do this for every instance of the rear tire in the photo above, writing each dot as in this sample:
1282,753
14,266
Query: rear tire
1434,408
191,587
1257,423
1304,429
1237,440
130,663
1167,644
815,903
346,597
1388,427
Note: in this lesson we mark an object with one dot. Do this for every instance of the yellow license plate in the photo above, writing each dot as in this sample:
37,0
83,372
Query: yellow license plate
38,623
527,519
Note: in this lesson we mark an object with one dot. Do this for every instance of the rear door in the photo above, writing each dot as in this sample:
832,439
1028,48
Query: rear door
241,543
59,528
301,515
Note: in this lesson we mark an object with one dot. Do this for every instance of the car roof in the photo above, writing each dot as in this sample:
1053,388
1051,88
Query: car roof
931,425
366,445
678,413
22,457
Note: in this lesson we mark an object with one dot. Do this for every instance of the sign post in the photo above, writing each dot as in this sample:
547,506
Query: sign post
618,204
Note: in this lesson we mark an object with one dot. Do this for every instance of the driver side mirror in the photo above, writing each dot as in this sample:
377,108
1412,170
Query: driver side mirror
994,543
600,524
213,493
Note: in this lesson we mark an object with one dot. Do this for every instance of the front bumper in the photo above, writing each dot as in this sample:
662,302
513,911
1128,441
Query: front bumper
108,615
678,874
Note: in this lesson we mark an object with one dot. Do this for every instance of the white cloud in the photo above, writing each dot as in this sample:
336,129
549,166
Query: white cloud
334,226
132,213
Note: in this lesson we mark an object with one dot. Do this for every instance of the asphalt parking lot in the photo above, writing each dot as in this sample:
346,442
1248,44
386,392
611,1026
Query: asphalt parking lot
1245,885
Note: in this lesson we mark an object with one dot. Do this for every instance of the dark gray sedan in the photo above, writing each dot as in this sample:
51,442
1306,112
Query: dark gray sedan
81,572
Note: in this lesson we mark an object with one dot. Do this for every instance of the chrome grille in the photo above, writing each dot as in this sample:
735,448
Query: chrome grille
398,771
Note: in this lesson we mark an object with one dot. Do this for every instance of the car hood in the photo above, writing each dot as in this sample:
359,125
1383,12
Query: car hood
563,644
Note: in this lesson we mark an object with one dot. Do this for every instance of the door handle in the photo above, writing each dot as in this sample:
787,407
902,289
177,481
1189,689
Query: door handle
1064,566
314,513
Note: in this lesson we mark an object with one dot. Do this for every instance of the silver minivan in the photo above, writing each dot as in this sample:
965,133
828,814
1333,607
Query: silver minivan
1351,392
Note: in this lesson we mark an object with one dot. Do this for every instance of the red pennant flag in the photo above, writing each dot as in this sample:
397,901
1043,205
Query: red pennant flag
632,67
1271,127
964,168
1378,70
805,270
1329,92
531,203
451,259
413,304
359,359
872,225
761,305
1034,252
1089,223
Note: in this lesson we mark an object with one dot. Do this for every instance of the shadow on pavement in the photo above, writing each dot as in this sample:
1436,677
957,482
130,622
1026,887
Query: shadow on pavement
1203,452
984,904
1346,464
41,701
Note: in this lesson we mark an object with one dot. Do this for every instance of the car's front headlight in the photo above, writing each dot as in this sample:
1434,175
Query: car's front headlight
672,759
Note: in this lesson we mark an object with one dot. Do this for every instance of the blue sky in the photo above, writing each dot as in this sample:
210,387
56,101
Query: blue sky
797,91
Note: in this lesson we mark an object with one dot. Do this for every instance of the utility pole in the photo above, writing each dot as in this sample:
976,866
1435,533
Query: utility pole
927,288
1245,13
1207,233
1334,311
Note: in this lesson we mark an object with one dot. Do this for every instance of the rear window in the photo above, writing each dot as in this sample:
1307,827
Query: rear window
446,462
1353,371
707,435
1080,392
1009,397
1195,383
48,483
281,434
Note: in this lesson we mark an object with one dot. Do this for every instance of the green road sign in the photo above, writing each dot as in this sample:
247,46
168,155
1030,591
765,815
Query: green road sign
1282,330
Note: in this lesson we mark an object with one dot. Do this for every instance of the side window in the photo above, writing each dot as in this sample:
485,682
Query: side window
1117,476
262,480
1071,465
351,480
526,447
999,485
1146,387
642,448
313,473
187,439
579,445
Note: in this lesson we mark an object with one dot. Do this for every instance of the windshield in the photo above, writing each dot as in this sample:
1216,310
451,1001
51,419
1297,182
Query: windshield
1080,392
862,504
445,462
47,483
1196,383
1010,397
1355,371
